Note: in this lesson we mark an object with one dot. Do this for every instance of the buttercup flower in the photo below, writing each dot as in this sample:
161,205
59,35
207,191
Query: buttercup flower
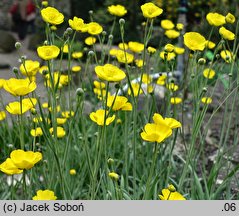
230,18
2,115
136,46
99,85
48,52
167,56
209,73
72,172
19,87
119,103
167,24
90,41
179,50
150,10
170,122
215,19
172,87
155,133
67,114
99,117
175,100
77,24
61,121
172,34
76,68
25,159
124,57
146,78
194,41
45,195
169,194
139,62
206,100
161,79
123,46
17,108
29,68
60,132
117,10
114,176
210,44
179,26
52,16
9,168
110,73
36,132
94,28
135,88
151,49
226,55
169,47
77,55
226,34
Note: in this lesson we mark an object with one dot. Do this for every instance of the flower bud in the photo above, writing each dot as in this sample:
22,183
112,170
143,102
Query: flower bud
122,21
110,161
18,45
33,111
72,172
104,33
204,89
202,61
91,12
111,37
114,176
91,53
79,92
171,188
15,70
117,85
69,31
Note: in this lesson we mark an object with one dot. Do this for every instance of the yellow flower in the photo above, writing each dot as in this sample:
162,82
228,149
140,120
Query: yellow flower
19,87
110,73
123,46
194,41
151,49
175,100
135,88
117,10
43,68
170,122
226,34
167,24
2,115
72,172
16,108
124,57
161,79
29,68
155,132
48,52
168,194
99,117
226,55
209,73
113,52
215,19
169,48
99,85
60,132
44,3
76,68
230,18
2,81
36,132
150,10
179,26
172,87
77,55
90,41
146,78
210,44
114,176
206,100
52,15
172,34
179,50
9,168
58,78
53,28
136,46
119,103
139,62
25,159
61,121
68,114
77,24
167,56
94,28
65,48
44,195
